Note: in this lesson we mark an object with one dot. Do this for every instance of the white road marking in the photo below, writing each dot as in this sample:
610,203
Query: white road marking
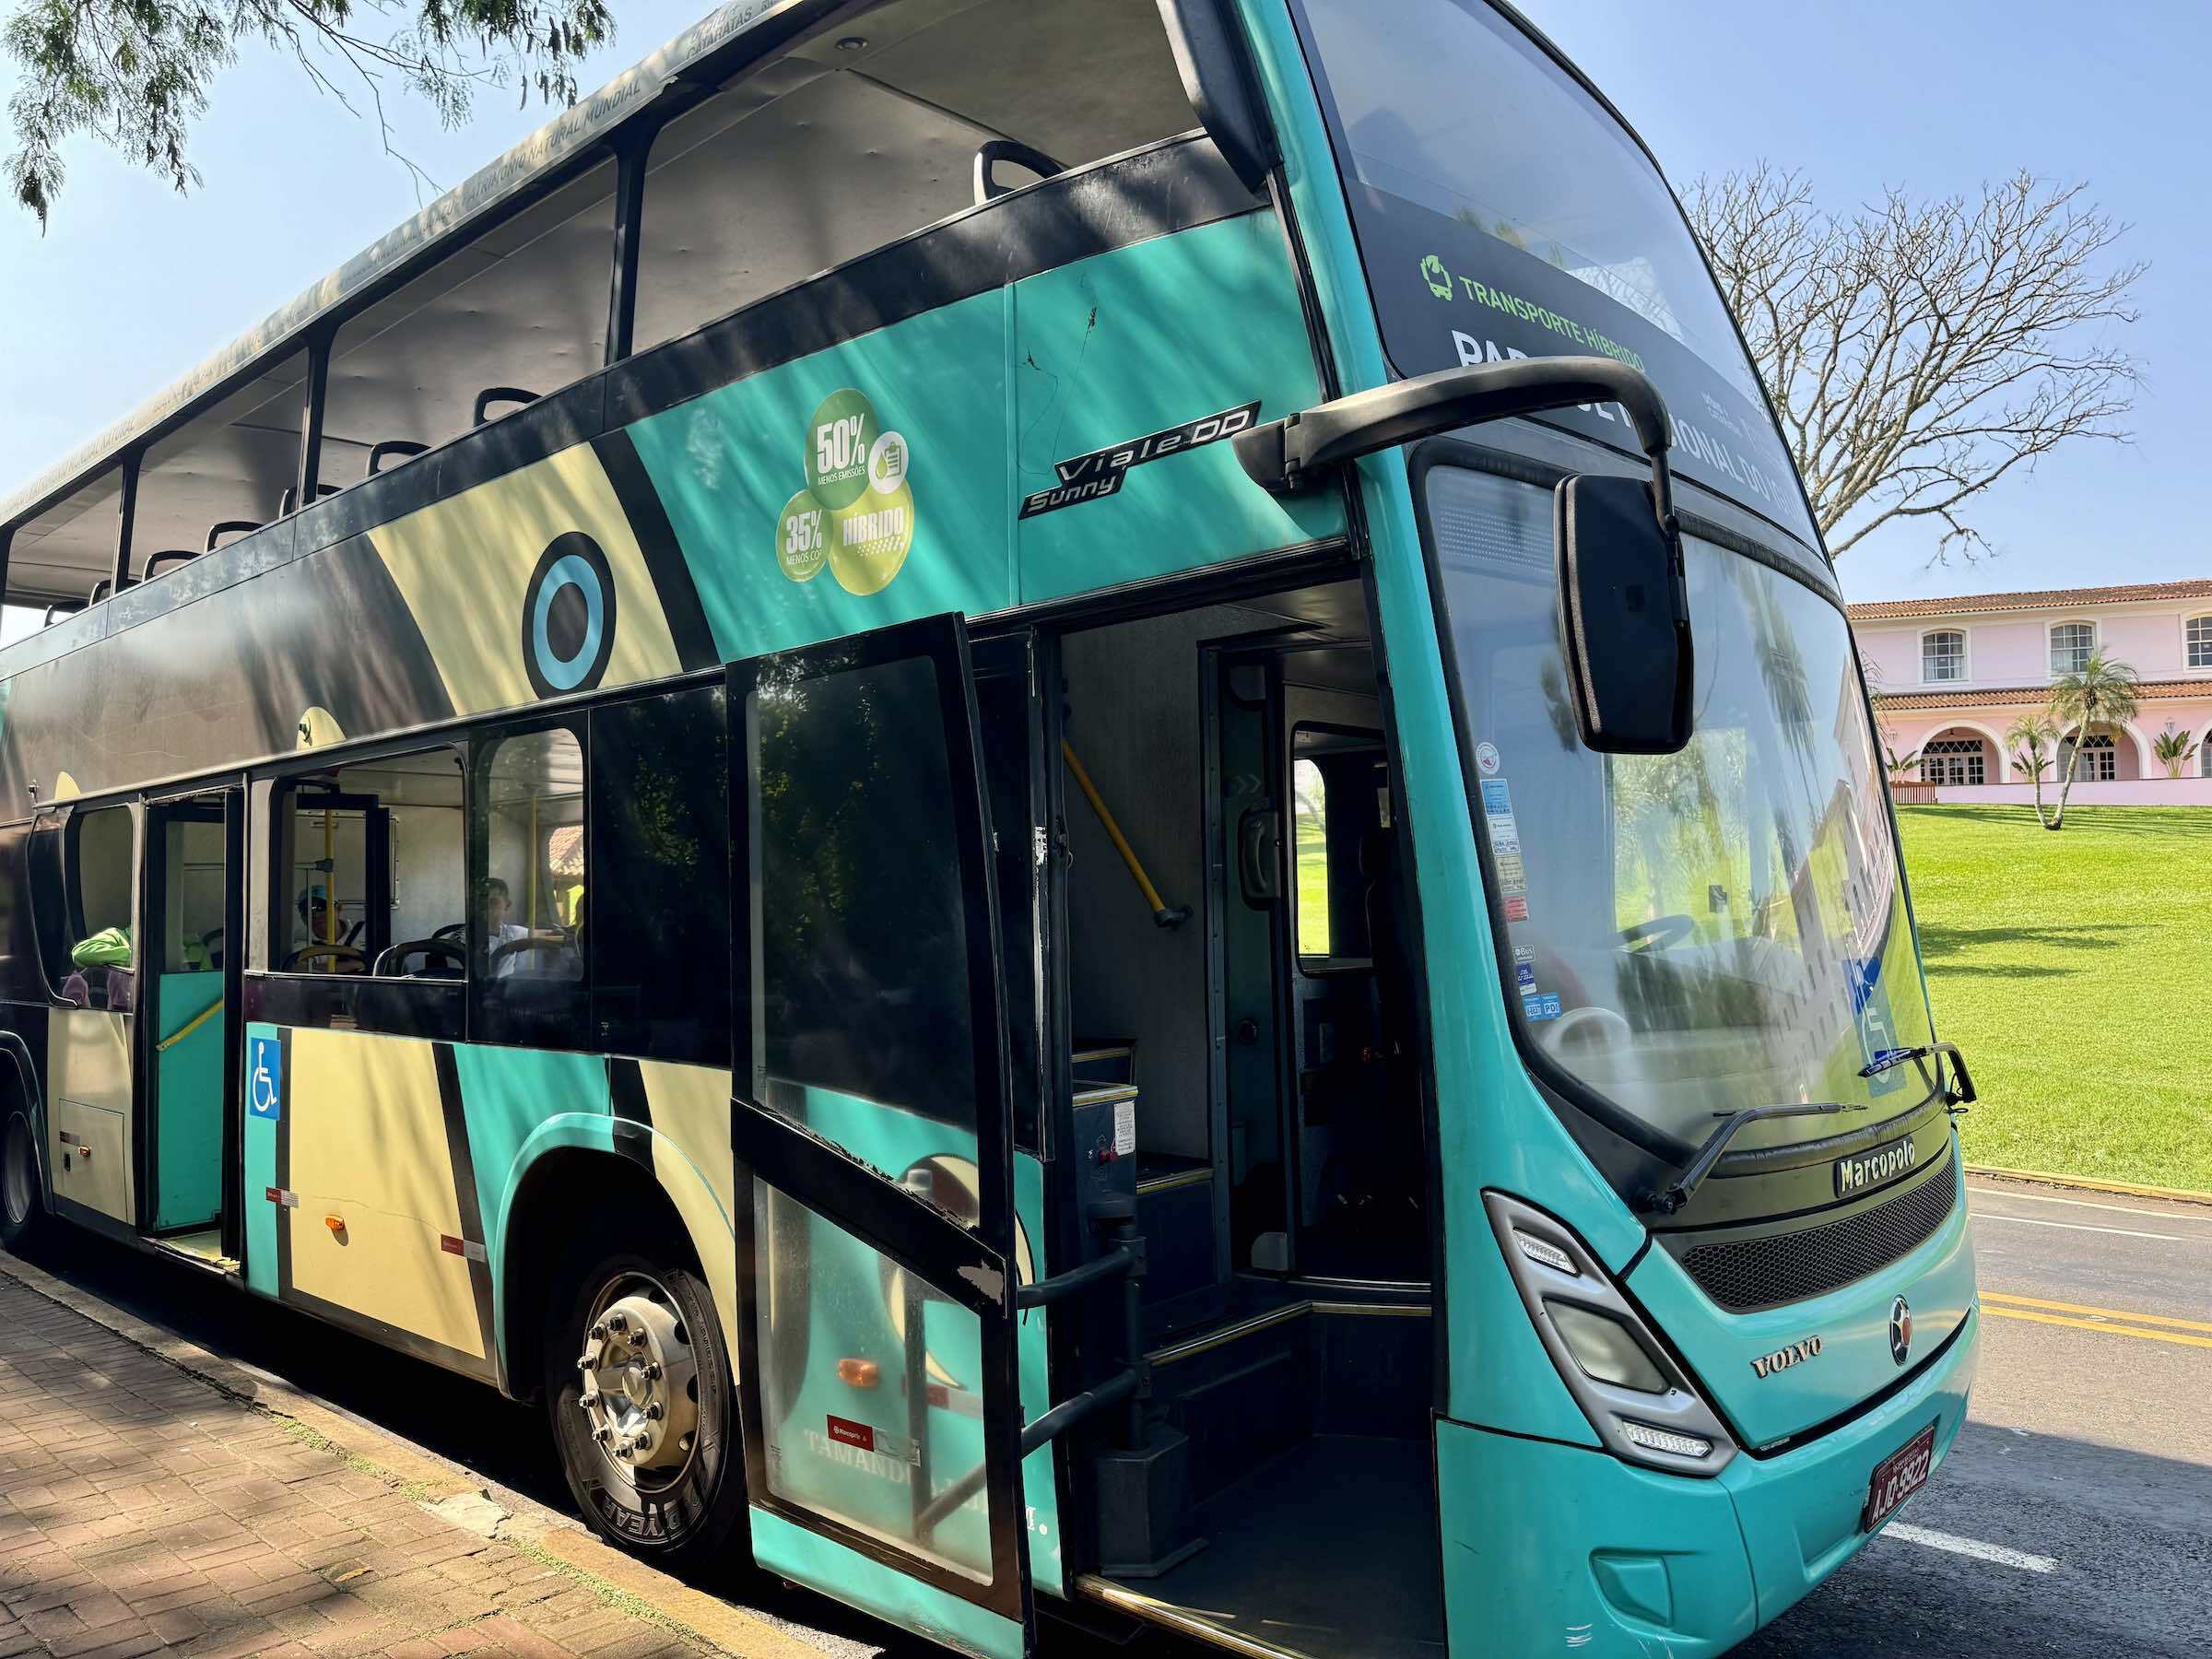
1975,1548
2117,1209
2123,1232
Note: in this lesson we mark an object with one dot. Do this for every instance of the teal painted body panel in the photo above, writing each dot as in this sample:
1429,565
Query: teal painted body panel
510,1096
188,1099
987,393
1121,344
1936,1280
1551,1548
1040,1487
1800,1511
726,465
891,1595
260,1149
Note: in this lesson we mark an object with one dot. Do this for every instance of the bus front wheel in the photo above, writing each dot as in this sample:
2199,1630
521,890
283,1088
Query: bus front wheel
21,1205
638,1381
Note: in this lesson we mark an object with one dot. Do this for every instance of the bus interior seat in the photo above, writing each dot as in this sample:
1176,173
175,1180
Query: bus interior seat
497,395
167,559
216,532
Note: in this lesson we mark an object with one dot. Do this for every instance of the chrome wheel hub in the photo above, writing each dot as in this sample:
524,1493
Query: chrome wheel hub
640,1394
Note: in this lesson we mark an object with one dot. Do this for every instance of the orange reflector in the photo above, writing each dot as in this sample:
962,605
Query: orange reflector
335,1223
861,1373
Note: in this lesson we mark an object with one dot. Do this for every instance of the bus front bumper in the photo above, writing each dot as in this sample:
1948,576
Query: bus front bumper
1552,1548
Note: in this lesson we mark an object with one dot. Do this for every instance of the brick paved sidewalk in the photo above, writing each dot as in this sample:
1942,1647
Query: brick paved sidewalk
145,1510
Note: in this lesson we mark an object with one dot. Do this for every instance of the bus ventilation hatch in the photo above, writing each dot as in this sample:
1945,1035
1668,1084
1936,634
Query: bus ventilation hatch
1769,1270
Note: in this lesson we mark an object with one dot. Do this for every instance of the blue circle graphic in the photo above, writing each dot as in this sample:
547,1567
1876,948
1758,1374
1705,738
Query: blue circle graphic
579,661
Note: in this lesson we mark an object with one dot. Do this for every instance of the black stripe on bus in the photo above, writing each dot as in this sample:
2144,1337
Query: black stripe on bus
632,1110
466,1204
664,558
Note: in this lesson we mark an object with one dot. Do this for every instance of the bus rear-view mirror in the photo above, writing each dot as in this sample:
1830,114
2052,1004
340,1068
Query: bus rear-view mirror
1624,617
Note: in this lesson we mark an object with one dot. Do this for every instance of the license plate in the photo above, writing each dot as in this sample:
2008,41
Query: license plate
1898,1477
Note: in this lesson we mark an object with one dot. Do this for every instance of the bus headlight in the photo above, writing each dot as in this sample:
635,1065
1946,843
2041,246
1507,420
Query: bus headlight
1642,1403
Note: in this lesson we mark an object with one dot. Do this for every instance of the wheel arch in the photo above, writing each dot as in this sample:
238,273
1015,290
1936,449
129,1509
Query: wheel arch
574,1162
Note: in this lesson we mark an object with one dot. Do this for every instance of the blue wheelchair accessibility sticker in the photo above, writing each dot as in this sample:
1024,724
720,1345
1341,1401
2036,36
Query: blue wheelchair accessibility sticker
265,1078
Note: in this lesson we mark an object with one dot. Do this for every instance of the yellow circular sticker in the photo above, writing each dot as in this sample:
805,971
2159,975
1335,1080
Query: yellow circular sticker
803,536
868,540
856,513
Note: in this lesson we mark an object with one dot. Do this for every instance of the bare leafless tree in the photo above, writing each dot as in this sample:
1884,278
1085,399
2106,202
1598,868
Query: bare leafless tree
1918,351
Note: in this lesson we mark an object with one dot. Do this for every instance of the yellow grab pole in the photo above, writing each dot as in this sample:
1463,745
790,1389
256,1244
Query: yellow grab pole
1160,913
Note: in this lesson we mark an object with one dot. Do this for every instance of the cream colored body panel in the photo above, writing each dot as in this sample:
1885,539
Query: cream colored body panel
463,566
369,1148
691,1161
88,1063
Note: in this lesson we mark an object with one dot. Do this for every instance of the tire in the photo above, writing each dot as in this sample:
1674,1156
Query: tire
22,1199
668,1502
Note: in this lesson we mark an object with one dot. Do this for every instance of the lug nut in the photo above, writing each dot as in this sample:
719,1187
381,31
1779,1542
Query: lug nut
653,1371
653,1412
603,1435
617,1321
588,1400
599,1333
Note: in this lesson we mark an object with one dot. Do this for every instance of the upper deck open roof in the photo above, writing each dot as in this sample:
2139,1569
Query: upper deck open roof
676,75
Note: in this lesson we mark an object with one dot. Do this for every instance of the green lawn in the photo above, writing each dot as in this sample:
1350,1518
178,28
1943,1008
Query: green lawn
2076,971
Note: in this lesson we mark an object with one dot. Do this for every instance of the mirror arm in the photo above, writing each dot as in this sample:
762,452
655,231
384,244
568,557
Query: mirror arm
1287,455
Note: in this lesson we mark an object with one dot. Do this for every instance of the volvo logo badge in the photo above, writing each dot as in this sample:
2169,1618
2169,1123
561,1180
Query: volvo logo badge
1900,1330
1766,1365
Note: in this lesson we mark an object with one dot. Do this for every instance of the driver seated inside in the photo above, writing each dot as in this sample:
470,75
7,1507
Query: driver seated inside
492,905
314,928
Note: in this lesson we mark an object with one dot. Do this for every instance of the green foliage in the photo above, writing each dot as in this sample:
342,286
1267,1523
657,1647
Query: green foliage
2173,750
2072,971
135,74
2101,692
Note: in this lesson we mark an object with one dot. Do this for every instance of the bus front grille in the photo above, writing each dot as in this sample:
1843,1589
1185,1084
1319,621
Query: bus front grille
1769,1270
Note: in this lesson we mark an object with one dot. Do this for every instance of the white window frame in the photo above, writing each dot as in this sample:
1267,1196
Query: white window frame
1941,758
2200,620
2096,745
1965,674
2050,643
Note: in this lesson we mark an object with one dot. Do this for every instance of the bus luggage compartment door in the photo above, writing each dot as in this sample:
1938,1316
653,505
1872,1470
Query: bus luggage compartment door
877,1347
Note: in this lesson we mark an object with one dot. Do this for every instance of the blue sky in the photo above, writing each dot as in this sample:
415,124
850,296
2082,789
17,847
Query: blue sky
133,284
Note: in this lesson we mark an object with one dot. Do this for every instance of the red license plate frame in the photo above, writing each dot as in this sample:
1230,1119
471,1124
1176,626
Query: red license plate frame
1897,1477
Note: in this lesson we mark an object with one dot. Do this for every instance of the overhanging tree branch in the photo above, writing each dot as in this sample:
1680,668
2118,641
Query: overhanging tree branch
1918,351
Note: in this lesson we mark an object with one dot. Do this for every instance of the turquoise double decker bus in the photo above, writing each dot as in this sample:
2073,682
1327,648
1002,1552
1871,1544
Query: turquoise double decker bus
1061,796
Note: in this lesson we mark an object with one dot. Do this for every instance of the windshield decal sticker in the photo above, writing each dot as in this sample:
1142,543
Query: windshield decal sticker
1541,1007
1485,759
1100,474
1516,910
856,513
1524,975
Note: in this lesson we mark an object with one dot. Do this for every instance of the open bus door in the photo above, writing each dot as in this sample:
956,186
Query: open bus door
873,1199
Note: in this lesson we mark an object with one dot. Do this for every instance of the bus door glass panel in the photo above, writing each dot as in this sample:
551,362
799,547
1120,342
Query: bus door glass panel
187,924
530,898
88,1039
877,1351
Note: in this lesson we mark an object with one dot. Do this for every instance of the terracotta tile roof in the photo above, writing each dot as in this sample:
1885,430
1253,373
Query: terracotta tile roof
1881,610
2022,696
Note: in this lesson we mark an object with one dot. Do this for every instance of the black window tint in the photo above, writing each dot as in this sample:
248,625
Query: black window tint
20,980
659,935
101,856
49,910
864,964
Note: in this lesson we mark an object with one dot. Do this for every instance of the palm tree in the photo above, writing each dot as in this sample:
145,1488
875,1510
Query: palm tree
2100,692
2172,750
2032,738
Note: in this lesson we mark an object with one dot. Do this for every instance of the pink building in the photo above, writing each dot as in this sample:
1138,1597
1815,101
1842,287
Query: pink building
1951,674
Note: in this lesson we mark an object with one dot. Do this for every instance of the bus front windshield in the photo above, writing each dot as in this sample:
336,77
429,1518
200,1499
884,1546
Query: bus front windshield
1503,212
1694,932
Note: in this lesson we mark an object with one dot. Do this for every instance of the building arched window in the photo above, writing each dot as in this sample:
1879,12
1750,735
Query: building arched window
1953,759
2204,757
2196,641
1943,654
2099,759
2072,645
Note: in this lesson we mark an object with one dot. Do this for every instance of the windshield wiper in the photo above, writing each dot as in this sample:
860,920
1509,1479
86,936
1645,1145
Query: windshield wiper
1957,1092
1678,1195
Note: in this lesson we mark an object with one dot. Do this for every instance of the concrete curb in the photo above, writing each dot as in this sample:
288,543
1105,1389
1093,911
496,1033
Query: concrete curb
2125,1188
445,1489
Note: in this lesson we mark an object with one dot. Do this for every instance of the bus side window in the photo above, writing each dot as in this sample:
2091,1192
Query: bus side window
659,942
529,891
20,977
100,850
371,858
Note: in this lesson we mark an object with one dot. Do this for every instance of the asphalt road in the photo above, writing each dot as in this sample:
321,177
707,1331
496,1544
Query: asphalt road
2074,1517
